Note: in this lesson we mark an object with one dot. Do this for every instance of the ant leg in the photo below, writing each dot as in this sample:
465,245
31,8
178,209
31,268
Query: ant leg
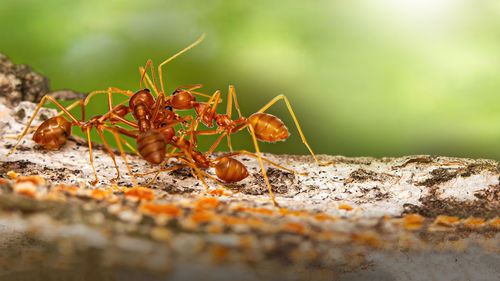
110,115
91,156
200,94
229,142
190,88
194,87
209,110
99,130
46,97
73,105
163,165
231,95
110,100
200,172
110,90
174,56
254,138
212,132
143,72
125,121
155,88
216,143
264,159
129,146
164,170
126,132
122,152
215,97
277,98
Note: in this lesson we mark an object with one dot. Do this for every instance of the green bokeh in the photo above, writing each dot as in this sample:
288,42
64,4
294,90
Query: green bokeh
365,78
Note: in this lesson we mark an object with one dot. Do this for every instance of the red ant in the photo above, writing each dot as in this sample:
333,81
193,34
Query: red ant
262,126
53,132
226,168
154,127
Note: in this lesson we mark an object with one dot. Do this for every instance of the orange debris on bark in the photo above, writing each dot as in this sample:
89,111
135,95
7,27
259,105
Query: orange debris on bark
202,215
446,220
208,202
345,207
26,189
157,209
495,222
140,193
324,217
100,194
474,222
413,221
12,174
218,192
294,227
254,222
68,188
256,210
36,180
115,187
285,211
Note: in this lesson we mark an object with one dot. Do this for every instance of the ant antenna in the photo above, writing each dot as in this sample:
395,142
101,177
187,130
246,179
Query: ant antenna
149,63
176,55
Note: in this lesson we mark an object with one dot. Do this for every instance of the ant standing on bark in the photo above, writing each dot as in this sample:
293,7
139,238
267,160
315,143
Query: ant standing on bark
262,126
53,132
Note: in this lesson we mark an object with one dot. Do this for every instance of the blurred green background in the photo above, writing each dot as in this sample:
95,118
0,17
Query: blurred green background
365,78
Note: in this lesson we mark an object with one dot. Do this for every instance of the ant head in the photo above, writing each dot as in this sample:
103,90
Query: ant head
142,96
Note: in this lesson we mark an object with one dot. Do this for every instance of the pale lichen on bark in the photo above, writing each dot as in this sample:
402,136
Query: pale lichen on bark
408,218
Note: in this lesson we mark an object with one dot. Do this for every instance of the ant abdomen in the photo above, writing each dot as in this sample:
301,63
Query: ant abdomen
268,127
53,132
182,100
151,146
230,170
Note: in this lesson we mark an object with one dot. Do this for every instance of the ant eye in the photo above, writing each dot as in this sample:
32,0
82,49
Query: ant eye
168,108
146,89
163,124
175,92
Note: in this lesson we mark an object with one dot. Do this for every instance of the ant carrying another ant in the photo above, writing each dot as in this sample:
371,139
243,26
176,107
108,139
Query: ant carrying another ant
153,127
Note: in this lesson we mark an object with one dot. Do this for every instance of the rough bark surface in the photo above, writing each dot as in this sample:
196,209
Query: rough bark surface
410,218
